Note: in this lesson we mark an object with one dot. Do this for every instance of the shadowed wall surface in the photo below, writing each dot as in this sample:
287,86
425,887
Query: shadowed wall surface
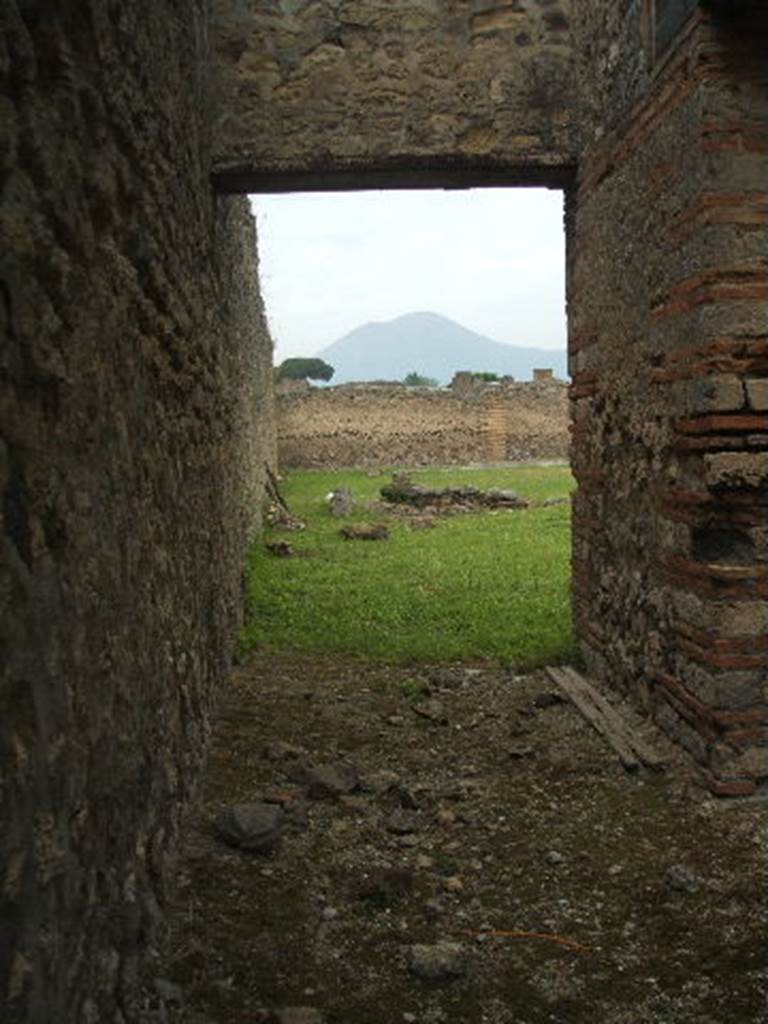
135,424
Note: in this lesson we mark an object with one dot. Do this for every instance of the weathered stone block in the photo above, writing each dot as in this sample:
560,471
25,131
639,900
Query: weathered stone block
718,393
678,730
757,395
738,618
729,690
753,762
735,470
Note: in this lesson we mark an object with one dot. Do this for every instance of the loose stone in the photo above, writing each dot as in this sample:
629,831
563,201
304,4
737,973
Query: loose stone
406,797
281,548
408,841
297,1015
434,908
449,678
453,884
400,823
254,827
681,879
341,503
519,753
431,709
379,782
280,751
440,962
328,781
169,992
386,885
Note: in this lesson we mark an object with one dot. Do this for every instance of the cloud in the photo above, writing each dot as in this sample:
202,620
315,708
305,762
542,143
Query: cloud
492,259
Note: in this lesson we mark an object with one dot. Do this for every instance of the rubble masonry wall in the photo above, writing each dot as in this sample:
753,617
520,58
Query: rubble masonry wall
395,425
135,423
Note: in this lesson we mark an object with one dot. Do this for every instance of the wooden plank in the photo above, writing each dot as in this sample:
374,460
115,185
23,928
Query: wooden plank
670,18
612,725
643,750
573,686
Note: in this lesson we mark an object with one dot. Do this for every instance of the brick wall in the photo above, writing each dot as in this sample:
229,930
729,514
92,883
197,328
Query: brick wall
386,425
668,264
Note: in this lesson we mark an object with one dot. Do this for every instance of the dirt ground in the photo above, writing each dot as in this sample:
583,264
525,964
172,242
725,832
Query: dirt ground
470,811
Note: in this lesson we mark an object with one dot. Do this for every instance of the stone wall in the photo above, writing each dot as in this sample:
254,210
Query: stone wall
668,272
340,93
395,425
133,424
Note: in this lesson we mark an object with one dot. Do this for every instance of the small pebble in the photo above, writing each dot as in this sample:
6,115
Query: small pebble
298,1015
440,962
554,858
434,908
519,753
453,884
401,823
680,878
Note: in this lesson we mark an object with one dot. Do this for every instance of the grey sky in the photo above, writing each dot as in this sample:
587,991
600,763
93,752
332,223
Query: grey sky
492,259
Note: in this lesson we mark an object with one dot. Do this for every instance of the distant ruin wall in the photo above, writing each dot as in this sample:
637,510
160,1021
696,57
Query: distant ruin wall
385,425
134,425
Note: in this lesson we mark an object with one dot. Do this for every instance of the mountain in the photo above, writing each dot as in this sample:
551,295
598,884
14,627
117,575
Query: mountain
433,346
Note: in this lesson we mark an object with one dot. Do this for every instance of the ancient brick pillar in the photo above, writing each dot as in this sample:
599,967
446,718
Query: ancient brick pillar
668,285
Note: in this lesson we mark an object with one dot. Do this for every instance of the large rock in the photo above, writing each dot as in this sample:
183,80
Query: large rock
254,827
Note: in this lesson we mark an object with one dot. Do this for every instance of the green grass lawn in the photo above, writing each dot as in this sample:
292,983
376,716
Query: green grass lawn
485,585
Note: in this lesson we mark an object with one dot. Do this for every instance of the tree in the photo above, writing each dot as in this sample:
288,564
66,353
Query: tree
304,369
416,380
486,375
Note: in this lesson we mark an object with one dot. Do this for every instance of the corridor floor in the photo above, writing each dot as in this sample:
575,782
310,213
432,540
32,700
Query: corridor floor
484,859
